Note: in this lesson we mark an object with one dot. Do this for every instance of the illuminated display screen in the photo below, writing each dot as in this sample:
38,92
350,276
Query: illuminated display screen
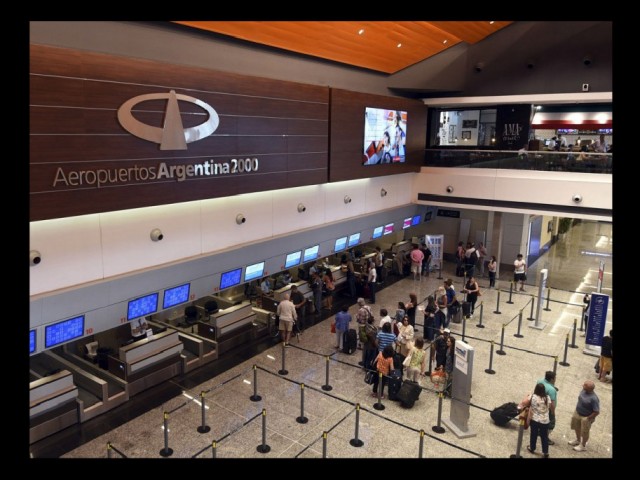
406,223
354,239
310,253
341,244
416,219
32,341
176,295
253,271
388,228
63,331
293,259
229,279
377,232
385,133
142,306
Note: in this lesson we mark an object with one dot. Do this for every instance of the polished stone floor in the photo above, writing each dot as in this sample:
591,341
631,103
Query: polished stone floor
236,422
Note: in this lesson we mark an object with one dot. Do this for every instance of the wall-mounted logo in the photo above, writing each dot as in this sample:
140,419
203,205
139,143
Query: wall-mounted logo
172,136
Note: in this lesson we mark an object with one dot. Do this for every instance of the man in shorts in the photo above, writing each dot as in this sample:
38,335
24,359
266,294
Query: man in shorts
587,409
287,313
520,272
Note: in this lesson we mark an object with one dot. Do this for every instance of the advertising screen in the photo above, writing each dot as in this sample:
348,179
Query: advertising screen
293,259
176,295
341,244
63,331
310,253
377,232
385,133
142,306
231,278
253,271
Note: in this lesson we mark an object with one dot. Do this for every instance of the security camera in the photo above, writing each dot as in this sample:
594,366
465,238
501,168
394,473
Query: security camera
586,60
531,64
301,208
449,189
347,199
34,258
156,235
479,67
383,193
577,198
240,219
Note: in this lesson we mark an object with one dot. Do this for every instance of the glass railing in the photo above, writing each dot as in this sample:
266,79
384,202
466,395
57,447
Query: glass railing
534,160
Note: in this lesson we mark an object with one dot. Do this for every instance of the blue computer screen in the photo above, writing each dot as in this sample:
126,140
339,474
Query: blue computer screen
354,239
139,307
293,259
416,219
231,278
377,232
310,253
32,341
63,331
341,244
253,271
176,295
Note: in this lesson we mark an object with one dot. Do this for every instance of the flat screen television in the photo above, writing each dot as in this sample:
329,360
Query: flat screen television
341,244
176,295
377,232
385,133
64,331
293,259
32,341
388,228
310,253
230,278
406,223
605,131
354,239
416,220
253,271
141,306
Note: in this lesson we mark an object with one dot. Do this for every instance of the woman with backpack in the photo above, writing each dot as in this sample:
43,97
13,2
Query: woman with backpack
384,365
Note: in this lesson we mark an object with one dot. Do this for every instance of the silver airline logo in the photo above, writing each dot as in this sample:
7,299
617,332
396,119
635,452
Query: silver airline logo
172,135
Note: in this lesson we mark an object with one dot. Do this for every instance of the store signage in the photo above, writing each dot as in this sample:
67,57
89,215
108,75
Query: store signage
448,213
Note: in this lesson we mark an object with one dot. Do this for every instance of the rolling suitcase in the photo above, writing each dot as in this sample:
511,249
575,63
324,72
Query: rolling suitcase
505,412
457,316
394,383
408,393
349,341
466,309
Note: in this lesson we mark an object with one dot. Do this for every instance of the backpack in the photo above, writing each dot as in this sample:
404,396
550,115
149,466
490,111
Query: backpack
473,258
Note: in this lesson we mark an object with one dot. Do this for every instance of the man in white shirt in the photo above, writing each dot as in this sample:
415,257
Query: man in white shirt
520,271
384,318
287,312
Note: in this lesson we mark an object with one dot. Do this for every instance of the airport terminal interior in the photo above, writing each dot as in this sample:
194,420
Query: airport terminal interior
199,187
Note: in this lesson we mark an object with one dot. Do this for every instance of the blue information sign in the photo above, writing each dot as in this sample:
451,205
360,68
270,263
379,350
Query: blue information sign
597,318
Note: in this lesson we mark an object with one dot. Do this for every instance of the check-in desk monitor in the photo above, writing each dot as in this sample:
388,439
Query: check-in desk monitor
175,296
406,223
32,341
354,239
388,228
377,232
142,306
230,278
293,259
416,220
64,331
253,271
341,244
310,253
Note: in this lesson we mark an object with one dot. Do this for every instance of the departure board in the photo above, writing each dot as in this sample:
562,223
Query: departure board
63,331
142,306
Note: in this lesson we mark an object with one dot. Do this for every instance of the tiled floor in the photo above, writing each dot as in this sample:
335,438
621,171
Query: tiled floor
236,421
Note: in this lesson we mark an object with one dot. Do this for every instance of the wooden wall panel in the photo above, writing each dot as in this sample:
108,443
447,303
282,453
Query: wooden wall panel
74,98
347,135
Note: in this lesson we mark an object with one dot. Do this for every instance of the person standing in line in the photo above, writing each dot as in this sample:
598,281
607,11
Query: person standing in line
492,267
287,313
343,318
449,362
482,253
330,287
473,290
384,365
378,259
430,318
384,318
426,263
299,302
416,261
346,266
442,300
417,361
316,288
451,296
606,356
371,279
405,337
539,407
549,381
411,306
520,272
587,409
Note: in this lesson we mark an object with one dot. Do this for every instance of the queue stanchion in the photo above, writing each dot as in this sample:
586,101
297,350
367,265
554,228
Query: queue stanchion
546,308
204,428
519,444
263,447
378,405
573,334
497,310
255,397
531,317
214,449
421,446
519,335
584,309
510,302
324,444
439,428
302,418
166,451
480,325
490,370
500,351
555,364
564,362
440,271
283,370
355,441
464,326
109,450
326,387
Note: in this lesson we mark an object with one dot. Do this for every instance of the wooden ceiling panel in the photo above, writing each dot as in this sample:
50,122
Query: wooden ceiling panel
382,46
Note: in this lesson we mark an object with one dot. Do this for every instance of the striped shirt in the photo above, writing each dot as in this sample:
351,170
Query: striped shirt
385,339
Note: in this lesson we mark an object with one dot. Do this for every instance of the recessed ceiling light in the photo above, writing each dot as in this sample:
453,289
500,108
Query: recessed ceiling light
445,41
361,31
399,45
492,22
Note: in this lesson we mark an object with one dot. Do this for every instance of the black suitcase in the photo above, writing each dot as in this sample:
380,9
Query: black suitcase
457,317
394,383
398,358
505,412
349,341
466,309
409,393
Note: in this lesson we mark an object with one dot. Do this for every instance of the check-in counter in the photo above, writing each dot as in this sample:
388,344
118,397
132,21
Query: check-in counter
229,319
303,287
52,405
149,351
401,247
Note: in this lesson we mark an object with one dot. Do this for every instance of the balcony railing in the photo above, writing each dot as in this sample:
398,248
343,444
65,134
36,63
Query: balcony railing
534,160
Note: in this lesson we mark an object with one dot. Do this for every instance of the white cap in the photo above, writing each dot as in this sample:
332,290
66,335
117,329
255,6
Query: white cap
446,330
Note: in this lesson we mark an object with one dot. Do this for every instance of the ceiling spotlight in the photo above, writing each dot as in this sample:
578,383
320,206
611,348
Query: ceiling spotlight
361,31
479,67
492,22
445,41
399,45
586,60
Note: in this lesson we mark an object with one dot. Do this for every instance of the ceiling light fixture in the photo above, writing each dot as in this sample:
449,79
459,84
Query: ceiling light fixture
492,22
445,41
399,45
361,31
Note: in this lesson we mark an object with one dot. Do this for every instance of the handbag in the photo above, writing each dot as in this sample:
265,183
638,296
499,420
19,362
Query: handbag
525,415
407,360
333,327
368,377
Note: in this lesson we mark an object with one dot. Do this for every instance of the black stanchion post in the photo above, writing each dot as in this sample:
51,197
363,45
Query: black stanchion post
480,325
255,397
564,362
355,441
421,447
378,405
490,370
440,271
510,292
283,370
326,387
464,326
497,310
302,418
166,451
439,428
214,449
555,364
519,444
519,335
204,428
428,354
531,317
324,444
500,351
547,309
109,450
263,447
573,334
582,319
